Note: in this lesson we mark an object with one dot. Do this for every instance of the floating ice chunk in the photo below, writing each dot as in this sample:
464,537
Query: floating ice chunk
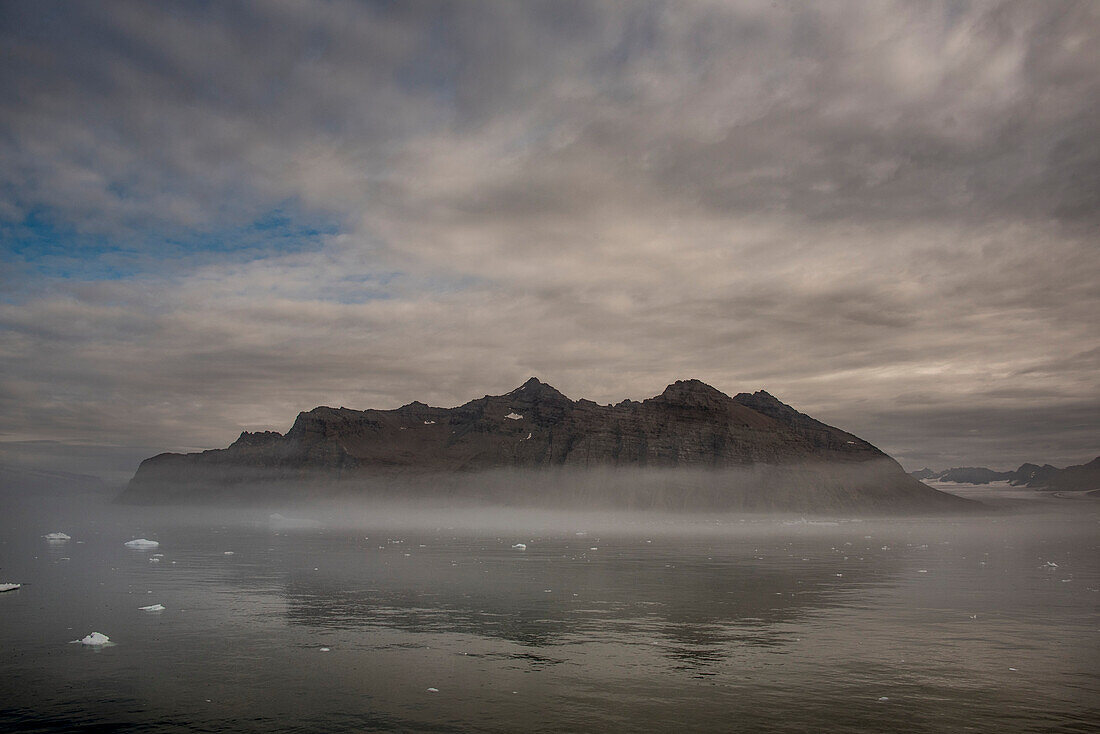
9,586
95,639
154,560
141,543
882,699
57,536
433,690
519,546
153,608
429,423
324,649
227,553
594,548
923,570
1049,564
514,416
528,437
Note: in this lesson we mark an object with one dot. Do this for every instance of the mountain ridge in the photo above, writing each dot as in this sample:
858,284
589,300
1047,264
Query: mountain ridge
689,426
1046,477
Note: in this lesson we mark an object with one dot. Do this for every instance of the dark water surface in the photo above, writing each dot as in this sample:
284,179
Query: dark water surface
670,624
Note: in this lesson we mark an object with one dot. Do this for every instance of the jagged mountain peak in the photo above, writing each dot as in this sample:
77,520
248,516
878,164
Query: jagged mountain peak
693,392
536,389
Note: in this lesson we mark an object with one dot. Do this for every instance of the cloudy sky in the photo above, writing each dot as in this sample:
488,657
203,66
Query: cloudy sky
215,215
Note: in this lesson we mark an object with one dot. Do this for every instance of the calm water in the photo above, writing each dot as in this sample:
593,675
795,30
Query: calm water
674,624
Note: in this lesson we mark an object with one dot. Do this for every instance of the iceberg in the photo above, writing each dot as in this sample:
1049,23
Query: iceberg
141,543
514,416
57,536
9,587
519,546
95,639
153,608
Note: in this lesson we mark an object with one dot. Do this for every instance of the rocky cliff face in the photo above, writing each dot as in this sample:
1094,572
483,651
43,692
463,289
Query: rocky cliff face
690,426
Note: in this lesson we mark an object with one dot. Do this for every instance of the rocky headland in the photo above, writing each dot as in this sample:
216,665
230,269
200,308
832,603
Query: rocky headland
690,448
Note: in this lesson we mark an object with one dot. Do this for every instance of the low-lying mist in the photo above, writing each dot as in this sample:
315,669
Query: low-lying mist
870,487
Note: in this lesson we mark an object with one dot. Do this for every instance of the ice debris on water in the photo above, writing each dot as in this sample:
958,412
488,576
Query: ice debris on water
882,699
9,586
153,608
95,639
519,546
141,543
57,536
1049,564
324,649
227,553
433,690
514,416
154,560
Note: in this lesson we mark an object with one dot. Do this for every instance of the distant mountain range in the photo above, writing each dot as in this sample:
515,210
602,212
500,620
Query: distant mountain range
691,447
27,480
1047,477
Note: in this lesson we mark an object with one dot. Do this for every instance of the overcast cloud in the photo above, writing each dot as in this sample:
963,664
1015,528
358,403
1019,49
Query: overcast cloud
217,215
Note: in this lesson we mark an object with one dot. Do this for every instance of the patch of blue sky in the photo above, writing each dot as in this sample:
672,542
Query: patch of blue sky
44,246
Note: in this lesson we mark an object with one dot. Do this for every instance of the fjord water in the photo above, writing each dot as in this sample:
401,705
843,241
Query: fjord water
611,622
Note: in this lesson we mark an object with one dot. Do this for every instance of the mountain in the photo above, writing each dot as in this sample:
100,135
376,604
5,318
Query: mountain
1071,479
28,480
691,447
1046,477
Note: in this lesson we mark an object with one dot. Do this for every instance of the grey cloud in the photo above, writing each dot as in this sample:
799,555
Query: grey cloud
883,213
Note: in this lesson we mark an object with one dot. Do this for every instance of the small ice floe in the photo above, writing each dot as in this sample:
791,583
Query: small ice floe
433,690
323,649
153,608
594,548
429,423
9,586
881,699
514,416
227,553
57,537
1049,564
519,546
95,639
141,543
154,560
528,437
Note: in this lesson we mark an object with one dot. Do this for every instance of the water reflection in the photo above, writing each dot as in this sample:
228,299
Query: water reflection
695,606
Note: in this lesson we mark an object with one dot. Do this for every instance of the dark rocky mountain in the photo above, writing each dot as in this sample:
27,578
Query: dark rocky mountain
691,447
1071,479
1047,477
